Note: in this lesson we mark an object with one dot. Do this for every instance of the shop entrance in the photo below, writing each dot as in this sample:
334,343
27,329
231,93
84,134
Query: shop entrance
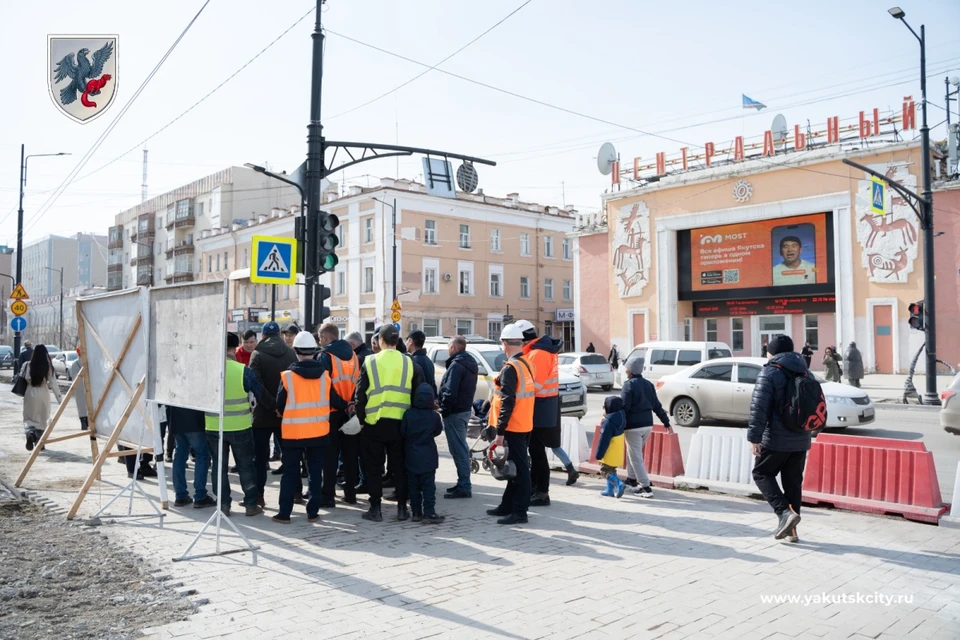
767,327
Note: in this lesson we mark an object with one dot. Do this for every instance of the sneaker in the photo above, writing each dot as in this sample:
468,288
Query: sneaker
32,441
456,494
208,501
312,519
789,519
572,474
184,502
148,471
497,512
453,488
280,520
225,511
417,517
631,482
643,492
433,519
255,510
792,536
540,500
513,519
373,514
402,513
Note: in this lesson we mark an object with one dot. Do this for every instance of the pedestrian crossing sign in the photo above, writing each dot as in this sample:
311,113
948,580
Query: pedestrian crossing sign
878,196
274,260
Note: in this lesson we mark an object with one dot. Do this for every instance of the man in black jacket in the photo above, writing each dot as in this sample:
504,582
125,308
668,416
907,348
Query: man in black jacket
415,348
359,346
457,389
778,449
269,359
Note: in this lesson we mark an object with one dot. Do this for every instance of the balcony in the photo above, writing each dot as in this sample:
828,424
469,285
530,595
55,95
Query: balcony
116,238
114,281
184,217
145,276
142,260
175,278
115,268
183,249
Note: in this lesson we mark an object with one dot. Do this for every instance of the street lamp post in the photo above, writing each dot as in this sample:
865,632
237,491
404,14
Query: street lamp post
23,183
930,396
61,302
393,208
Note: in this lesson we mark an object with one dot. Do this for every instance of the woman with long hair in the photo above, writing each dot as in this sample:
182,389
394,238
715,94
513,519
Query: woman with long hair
41,380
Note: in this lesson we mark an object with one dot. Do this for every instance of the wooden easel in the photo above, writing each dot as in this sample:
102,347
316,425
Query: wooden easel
135,393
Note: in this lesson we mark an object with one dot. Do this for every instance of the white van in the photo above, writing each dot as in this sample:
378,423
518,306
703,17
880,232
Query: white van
662,358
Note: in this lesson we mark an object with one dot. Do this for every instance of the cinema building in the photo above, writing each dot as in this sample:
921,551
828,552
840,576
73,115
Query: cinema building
775,236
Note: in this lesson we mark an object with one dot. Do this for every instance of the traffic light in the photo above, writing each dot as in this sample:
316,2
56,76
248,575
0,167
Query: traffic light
916,316
327,241
323,294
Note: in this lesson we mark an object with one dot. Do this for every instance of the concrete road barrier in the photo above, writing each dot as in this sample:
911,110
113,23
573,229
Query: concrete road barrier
720,460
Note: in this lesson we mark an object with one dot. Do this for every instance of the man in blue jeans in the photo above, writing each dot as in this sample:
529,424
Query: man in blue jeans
457,388
189,432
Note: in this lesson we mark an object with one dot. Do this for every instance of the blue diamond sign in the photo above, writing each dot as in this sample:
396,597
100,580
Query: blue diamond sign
274,260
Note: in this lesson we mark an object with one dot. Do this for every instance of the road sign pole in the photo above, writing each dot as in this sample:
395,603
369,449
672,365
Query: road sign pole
23,164
273,302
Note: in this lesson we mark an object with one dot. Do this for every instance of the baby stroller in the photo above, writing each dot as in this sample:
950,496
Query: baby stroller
477,430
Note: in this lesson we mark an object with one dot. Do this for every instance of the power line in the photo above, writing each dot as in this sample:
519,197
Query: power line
96,145
425,72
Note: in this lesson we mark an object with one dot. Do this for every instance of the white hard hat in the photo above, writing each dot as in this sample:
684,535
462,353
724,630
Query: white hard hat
512,332
305,340
524,325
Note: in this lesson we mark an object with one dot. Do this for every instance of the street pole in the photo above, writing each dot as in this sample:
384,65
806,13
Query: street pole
315,172
273,303
394,248
23,164
930,396
61,309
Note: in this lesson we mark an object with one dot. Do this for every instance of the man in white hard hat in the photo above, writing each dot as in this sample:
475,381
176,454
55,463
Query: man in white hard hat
542,354
511,413
304,402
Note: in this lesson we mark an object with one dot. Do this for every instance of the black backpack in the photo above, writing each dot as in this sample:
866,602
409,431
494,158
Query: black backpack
804,406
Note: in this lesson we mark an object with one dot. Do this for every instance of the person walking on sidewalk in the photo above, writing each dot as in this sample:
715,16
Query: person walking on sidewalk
457,388
854,364
778,450
79,394
419,428
188,428
807,353
304,401
269,359
591,348
41,380
512,414
541,353
341,363
239,381
640,402
614,357
831,365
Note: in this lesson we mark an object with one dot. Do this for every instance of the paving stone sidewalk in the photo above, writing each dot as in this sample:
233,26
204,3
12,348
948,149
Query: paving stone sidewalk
683,565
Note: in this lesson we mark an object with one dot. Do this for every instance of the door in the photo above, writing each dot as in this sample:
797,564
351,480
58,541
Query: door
770,326
711,387
639,328
743,390
883,338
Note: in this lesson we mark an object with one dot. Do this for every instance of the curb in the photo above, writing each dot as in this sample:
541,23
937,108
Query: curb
893,406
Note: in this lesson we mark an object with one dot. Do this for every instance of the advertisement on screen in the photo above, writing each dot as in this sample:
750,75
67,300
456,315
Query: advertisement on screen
785,252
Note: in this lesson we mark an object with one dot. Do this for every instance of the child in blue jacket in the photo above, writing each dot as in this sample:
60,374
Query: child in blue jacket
420,426
610,448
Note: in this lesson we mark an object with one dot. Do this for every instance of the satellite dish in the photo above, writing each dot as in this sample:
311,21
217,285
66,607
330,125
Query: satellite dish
779,128
467,178
606,157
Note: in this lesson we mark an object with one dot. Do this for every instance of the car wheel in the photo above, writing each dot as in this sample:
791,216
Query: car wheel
607,387
686,413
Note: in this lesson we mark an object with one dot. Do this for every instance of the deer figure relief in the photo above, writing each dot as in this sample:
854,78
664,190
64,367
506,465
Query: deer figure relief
885,226
894,266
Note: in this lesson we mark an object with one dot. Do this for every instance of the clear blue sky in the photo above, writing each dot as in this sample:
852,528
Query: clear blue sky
652,66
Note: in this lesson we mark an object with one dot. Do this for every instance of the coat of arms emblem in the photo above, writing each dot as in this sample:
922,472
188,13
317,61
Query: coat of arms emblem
82,74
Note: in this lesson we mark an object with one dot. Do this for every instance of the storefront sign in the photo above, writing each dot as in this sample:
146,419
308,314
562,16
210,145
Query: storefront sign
565,315
765,306
253,313
869,124
237,315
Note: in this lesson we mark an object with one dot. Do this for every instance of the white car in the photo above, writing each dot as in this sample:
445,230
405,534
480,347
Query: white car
592,369
490,357
722,389
62,362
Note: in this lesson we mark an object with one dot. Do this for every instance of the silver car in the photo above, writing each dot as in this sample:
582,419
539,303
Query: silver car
592,369
722,389
950,409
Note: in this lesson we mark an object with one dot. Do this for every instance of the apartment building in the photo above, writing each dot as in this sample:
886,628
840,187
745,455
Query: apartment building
83,258
461,263
153,242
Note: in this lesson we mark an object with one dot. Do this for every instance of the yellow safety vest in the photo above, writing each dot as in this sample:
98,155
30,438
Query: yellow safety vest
391,382
236,404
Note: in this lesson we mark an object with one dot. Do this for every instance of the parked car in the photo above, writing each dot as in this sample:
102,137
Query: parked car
52,349
722,389
6,357
950,407
666,357
62,362
490,358
592,369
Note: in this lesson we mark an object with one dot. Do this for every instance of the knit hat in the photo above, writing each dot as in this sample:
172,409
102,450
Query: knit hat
635,366
779,344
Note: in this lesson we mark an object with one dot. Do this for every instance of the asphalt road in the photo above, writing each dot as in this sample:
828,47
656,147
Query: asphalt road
892,422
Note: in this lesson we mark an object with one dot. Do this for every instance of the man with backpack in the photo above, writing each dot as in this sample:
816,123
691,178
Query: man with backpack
788,406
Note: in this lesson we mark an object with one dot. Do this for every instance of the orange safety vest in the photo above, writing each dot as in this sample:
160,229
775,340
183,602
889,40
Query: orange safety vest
521,420
346,376
545,370
307,412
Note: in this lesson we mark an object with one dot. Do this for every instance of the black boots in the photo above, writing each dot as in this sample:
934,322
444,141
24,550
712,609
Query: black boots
403,513
572,474
373,514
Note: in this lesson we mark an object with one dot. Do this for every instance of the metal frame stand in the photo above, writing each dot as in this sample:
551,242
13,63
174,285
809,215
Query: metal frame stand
133,487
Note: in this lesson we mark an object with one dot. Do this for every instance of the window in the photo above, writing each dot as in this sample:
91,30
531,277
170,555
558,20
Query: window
495,289
547,246
718,372
245,265
243,297
226,255
736,333
495,240
524,244
464,326
711,327
747,373
464,236
713,354
368,279
810,333
689,357
218,262
209,264
466,282
494,328
567,290
159,274
429,232
158,245
663,356
431,327
567,252
548,288
368,230
199,209
430,280
687,329
341,282
524,287
342,235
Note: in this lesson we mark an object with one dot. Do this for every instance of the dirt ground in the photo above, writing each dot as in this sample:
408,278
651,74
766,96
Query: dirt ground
64,580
